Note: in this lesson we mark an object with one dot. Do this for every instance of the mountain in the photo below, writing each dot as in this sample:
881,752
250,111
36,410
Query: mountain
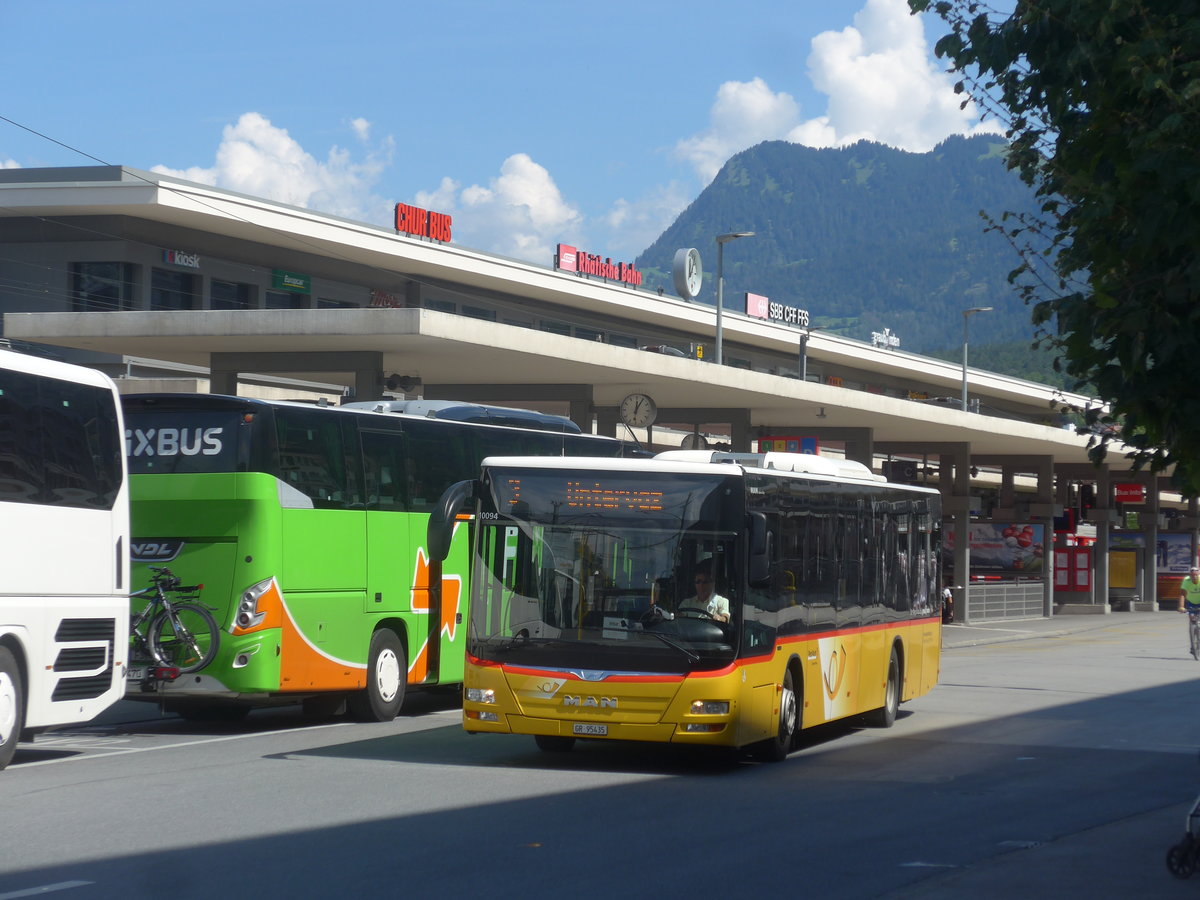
865,237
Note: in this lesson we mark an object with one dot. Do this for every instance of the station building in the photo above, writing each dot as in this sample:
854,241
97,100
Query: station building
168,284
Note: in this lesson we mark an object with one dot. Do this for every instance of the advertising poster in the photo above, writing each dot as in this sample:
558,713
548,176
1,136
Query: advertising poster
1173,554
1008,549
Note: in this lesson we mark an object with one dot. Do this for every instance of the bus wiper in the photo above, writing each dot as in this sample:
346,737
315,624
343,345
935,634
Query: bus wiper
691,656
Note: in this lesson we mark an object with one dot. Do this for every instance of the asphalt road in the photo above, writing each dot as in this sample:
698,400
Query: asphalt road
1053,760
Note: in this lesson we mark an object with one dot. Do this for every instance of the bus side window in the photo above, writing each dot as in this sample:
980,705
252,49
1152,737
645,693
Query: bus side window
313,458
383,470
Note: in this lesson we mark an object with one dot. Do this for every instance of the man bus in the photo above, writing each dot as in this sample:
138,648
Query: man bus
583,622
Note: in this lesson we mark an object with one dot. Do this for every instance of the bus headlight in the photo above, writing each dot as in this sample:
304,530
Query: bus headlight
481,695
710,707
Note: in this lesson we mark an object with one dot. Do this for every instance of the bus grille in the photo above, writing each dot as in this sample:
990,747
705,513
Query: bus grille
87,658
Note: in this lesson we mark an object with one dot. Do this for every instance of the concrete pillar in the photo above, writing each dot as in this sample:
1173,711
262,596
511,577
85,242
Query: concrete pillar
1102,513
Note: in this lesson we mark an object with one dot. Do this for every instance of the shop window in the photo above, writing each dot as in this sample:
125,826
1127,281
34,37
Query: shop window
330,303
441,305
478,312
285,300
102,286
172,290
556,327
231,295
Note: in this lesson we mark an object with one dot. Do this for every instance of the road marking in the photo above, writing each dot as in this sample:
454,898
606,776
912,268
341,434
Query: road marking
213,740
45,889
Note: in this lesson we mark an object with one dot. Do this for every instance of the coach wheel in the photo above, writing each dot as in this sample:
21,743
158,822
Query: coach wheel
12,706
553,743
885,716
387,672
1180,861
776,749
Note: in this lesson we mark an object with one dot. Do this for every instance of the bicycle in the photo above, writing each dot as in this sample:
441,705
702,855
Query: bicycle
1194,631
180,633
1182,858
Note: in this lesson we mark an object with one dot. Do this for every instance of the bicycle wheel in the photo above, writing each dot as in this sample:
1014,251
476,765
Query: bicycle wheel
185,636
1194,632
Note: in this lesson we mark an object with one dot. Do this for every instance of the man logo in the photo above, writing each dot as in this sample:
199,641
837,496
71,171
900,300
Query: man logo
590,702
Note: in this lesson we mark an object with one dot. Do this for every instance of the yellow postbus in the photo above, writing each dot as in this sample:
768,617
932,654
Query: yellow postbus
698,597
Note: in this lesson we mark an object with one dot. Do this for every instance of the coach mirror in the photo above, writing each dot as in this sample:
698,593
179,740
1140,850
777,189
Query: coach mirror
759,550
440,529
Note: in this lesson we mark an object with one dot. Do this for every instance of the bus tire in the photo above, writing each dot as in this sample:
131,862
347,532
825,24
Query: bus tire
553,743
387,674
12,706
885,716
777,748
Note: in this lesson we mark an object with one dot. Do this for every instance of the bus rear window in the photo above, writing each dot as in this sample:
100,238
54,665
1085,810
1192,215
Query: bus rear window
173,441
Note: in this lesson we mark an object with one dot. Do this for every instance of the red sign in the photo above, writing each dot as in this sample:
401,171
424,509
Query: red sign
1129,492
422,223
757,306
569,259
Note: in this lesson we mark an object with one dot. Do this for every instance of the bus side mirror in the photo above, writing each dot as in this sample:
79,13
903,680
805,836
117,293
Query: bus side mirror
760,551
440,529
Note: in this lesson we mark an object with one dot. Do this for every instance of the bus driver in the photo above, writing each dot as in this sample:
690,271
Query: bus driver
707,600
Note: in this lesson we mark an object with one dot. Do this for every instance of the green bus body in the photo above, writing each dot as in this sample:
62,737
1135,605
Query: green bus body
306,527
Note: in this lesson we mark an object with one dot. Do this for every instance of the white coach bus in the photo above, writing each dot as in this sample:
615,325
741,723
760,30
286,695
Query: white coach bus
64,546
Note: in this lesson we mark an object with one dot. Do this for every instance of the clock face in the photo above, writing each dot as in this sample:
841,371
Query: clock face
638,410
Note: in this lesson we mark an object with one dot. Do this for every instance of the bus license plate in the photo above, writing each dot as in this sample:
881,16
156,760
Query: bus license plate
590,730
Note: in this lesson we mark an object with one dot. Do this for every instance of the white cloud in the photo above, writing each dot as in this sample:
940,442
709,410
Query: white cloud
882,83
255,157
744,114
520,213
9,164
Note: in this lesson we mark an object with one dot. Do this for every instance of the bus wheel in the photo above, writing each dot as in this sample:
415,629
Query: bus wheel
776,749
387,672
553,743
12,706
885,716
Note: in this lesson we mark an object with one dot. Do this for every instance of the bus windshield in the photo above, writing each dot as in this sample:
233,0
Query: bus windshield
615,570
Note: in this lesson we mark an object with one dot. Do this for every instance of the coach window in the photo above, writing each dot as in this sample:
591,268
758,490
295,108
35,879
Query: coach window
231,295
102,286
172,290
286,300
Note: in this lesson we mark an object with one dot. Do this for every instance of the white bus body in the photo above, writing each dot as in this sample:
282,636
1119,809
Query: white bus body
64,546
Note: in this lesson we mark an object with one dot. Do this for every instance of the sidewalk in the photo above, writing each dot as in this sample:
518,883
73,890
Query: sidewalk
957,635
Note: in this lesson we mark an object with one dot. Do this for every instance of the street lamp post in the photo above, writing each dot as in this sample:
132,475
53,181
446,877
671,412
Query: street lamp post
722,240
804,336
967,313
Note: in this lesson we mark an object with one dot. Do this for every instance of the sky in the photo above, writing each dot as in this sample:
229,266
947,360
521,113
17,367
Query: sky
531,122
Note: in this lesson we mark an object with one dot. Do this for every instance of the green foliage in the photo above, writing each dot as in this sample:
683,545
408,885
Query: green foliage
1102,105
868,235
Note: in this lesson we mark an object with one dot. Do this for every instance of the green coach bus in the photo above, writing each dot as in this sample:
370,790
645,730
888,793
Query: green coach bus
306,526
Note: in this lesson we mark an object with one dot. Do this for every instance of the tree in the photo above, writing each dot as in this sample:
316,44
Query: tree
1101,101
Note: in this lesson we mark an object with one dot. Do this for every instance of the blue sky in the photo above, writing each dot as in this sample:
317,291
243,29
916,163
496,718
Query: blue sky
530,122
